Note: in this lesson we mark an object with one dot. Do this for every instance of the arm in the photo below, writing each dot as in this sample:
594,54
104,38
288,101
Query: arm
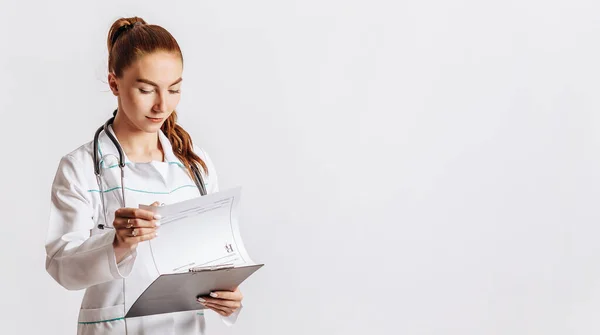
75,259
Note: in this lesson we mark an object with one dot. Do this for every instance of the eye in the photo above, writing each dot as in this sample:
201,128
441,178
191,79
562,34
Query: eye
174,91
143,91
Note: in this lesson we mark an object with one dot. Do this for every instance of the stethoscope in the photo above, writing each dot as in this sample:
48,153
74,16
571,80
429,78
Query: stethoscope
98,161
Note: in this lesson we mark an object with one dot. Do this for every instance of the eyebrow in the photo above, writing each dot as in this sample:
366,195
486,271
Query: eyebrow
146,81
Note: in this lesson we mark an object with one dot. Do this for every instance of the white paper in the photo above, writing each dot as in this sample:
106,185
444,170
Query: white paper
199,232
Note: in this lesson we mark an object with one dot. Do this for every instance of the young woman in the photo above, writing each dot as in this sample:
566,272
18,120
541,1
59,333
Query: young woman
97,234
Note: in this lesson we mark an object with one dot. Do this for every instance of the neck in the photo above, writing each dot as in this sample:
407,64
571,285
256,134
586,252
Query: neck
138,145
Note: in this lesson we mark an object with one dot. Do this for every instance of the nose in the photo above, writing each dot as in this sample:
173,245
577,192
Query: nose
160,105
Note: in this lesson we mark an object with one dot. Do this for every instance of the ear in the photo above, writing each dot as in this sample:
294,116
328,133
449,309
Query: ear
112,83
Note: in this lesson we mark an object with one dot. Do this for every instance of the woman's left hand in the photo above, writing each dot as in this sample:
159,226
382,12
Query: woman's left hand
223,302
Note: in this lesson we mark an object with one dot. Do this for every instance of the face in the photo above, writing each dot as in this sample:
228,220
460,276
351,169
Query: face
149,90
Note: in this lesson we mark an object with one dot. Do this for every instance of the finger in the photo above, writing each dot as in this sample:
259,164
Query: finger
219,297
232,304
136,213
127,223
228,295
136,232
219,309
138,239
155,204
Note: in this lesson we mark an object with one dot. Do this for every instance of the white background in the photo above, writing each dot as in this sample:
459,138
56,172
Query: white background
408,167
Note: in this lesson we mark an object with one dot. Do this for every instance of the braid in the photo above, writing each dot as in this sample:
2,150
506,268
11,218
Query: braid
182,144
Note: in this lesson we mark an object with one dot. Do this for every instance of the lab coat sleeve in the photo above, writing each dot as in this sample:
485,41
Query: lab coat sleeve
75,259
230,320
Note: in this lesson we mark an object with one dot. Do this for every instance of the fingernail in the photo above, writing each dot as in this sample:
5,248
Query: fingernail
155,234
157,216
200,300
157,223
213,294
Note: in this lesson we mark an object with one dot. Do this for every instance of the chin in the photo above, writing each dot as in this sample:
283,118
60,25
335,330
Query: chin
152,128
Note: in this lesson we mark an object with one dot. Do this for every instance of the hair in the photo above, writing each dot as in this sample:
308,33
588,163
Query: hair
128,40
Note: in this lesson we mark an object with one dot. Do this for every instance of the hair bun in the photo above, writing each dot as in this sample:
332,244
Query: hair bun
122,25
123,29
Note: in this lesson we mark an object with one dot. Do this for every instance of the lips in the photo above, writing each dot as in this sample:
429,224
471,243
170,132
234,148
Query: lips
154,119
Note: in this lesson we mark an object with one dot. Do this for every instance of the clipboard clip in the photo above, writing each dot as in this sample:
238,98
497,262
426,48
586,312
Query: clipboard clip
211,267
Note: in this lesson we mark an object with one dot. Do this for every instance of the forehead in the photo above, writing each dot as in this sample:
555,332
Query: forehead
163,68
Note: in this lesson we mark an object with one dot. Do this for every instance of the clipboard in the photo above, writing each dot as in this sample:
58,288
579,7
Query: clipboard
177,292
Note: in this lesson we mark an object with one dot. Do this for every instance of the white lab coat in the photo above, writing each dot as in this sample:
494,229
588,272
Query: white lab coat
81,256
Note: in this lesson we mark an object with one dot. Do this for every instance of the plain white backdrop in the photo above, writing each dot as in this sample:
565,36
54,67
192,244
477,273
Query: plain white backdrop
408,167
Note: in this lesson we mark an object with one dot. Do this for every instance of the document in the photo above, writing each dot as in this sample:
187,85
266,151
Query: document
199,250
200,233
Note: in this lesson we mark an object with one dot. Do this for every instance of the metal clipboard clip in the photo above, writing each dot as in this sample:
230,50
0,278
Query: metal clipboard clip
211,267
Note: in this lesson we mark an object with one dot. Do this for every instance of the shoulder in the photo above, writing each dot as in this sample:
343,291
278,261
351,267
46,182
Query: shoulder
202,153
75,165
82,155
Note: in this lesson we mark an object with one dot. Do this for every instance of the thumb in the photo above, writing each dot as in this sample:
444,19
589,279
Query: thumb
155,204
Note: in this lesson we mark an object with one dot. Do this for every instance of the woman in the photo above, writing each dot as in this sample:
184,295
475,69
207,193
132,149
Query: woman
114,266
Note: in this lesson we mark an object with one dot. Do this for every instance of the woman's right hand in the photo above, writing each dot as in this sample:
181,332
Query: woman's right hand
132,226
